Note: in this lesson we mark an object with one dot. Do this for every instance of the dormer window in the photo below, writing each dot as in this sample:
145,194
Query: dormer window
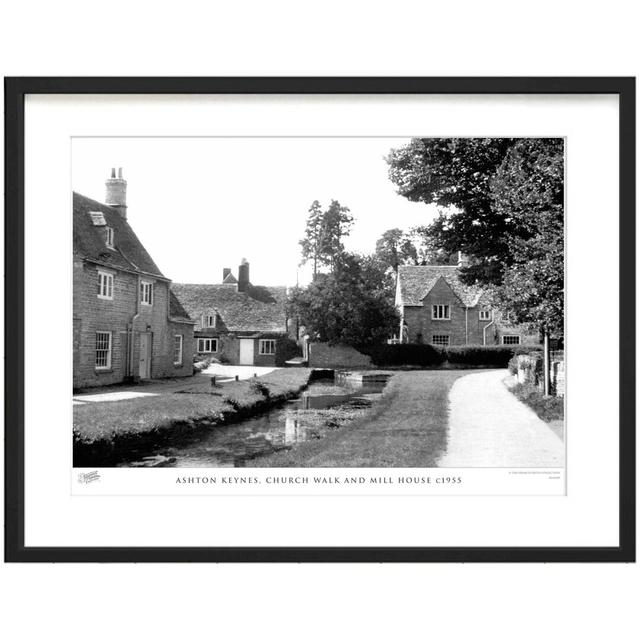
485,314
210,321
97,218
108,237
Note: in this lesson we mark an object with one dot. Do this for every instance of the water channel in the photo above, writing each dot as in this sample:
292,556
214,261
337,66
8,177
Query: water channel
323,406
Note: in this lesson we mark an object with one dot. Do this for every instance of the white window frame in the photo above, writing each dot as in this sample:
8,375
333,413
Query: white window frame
109,233
262,344
105,284
440,344
146,286
484,314
107,365
440,312
208,321
175,345
510,335
211,341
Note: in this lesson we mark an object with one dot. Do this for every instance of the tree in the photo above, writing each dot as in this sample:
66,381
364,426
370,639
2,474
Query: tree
322,243
503,202
455,173
312,241
528,190
394,247
350,305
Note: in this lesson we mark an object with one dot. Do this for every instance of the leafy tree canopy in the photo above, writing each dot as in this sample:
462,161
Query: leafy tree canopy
503,208
350,305
322,243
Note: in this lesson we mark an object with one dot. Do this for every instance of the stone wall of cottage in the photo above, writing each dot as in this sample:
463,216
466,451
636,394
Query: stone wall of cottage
464,326
92,314
229,348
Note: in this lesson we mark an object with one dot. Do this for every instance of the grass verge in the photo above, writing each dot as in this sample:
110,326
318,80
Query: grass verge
547,408
407,427
103,431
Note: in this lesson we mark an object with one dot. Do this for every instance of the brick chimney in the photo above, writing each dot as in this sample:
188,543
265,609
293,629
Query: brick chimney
116,195
243,275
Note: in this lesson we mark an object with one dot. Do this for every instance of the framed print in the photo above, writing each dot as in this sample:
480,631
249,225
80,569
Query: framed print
320,319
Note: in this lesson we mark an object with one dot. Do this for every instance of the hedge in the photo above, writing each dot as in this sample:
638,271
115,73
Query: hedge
426,355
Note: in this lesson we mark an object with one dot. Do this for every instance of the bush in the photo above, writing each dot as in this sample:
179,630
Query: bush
426,355
259,388
396,355
287,349
479,356
547,408
202,361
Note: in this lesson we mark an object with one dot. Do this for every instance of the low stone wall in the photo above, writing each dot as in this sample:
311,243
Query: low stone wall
327,356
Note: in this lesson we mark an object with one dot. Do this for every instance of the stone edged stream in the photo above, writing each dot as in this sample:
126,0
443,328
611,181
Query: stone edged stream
324,405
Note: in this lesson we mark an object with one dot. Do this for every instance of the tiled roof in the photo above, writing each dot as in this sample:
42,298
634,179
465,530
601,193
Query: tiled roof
259,309
417,281
176,310
89,239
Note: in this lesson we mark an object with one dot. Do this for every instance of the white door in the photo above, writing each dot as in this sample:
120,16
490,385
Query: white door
144,370
246,351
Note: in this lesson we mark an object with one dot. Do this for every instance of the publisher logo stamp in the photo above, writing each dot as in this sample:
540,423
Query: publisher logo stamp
87,478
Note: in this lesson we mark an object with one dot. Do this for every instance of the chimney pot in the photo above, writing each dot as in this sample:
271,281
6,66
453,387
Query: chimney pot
116,192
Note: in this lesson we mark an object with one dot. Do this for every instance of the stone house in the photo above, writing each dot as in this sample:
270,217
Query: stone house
127,324
436,308
238,322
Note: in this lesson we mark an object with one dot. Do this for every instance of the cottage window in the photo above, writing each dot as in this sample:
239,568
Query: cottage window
266,347
440,312
105,285
510,339
207,345
146,292
103,349
440,340
109,237
177,349
210,321
485,314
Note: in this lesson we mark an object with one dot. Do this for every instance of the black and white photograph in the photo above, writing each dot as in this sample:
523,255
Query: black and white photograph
318,302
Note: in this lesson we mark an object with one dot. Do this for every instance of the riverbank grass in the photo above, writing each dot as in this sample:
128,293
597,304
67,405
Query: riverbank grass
407,427
196,403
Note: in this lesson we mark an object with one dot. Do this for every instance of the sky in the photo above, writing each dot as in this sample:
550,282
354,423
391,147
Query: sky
201,204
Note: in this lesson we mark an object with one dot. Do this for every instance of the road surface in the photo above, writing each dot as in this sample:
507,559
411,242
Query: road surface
490,427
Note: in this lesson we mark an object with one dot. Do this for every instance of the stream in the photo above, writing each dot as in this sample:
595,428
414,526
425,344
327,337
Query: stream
323,406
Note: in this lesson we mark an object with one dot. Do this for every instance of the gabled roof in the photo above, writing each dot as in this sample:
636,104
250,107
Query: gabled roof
176,310
260,309
230,279
89,240
415,282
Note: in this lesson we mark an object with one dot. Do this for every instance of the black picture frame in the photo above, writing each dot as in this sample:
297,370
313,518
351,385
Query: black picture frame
15,91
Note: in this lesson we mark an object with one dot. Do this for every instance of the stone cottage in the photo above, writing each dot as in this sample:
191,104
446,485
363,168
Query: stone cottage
436,308
238,322
127,325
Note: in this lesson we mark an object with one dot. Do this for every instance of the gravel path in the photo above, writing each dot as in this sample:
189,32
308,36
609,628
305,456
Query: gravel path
490,427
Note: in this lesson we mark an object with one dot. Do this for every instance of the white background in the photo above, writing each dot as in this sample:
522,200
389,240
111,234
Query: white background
400,38
54,517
